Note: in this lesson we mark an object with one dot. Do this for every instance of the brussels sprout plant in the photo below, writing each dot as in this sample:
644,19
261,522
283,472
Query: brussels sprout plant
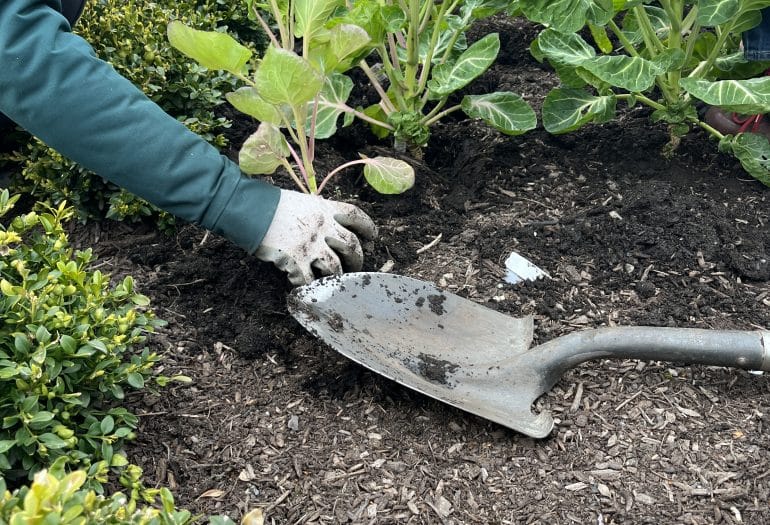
671,56
297,96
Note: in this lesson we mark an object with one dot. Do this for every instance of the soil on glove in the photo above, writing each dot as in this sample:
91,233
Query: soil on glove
276,419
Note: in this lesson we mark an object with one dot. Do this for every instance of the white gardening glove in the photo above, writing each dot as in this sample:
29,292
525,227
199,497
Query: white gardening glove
309,232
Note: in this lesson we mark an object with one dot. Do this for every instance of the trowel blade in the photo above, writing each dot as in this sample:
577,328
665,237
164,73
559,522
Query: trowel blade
420,336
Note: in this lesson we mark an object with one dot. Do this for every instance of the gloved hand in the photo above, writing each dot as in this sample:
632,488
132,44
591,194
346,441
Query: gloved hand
310,232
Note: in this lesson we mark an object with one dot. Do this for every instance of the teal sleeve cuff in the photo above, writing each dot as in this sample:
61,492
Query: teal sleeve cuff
53,85
247,215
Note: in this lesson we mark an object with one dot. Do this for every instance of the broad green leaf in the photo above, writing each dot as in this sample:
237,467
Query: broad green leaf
310,16
657,17
669,60
742,96
746,20
210,49
445,39
263,151
448,78
394,18
712,13
247,100
631,73
563,48
284,77
6,445
375,111
346,43
566,110
627,72
478,9
567,16
504,111
753,151
387,175
331,104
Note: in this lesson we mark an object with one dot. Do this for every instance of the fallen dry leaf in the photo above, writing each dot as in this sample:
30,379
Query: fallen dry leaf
212,493
255,517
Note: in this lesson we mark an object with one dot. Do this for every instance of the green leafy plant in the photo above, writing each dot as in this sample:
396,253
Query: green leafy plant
668,55
130,35
421,49
70,343
299,95
56,496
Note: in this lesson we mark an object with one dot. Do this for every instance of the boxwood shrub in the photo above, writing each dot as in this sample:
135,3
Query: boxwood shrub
70,345
57,497
131,35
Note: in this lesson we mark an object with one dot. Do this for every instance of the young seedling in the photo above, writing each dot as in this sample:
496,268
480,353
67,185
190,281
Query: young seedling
420,49
291,94
667,56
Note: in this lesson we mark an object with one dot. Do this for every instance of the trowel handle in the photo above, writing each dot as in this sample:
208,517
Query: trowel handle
749,350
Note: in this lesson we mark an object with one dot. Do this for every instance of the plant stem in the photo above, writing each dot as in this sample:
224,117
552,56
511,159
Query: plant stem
692,38
432,47
265,27
285,39
412,50
675,10
641,98
388,104
301,140
711,130
337,170
313,120
393,74
287,166
425,16
690,19
651,40
705,66
365,117
654,47
624,41
440,104
442,114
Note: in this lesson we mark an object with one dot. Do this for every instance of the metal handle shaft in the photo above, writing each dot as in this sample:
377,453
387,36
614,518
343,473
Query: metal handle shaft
749,350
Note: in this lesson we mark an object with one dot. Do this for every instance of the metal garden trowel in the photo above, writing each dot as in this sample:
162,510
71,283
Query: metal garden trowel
477,359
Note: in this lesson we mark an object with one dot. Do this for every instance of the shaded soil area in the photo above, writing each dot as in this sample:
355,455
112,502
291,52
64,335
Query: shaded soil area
276,419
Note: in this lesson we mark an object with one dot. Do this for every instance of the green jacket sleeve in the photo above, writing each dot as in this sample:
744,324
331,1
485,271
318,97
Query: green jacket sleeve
53,85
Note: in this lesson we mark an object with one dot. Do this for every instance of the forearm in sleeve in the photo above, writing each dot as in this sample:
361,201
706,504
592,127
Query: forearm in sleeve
53,85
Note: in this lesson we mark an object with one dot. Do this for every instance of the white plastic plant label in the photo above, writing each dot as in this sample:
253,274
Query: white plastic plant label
522,269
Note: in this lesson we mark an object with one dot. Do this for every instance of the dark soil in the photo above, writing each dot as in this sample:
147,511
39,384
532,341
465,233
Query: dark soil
275,419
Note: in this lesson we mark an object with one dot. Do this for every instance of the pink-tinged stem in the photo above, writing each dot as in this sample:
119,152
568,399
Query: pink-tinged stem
336,170
298,160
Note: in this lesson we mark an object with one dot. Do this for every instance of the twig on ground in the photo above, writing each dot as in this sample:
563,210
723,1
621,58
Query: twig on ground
430,245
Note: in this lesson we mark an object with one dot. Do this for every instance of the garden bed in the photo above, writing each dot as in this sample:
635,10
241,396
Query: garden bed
276,419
